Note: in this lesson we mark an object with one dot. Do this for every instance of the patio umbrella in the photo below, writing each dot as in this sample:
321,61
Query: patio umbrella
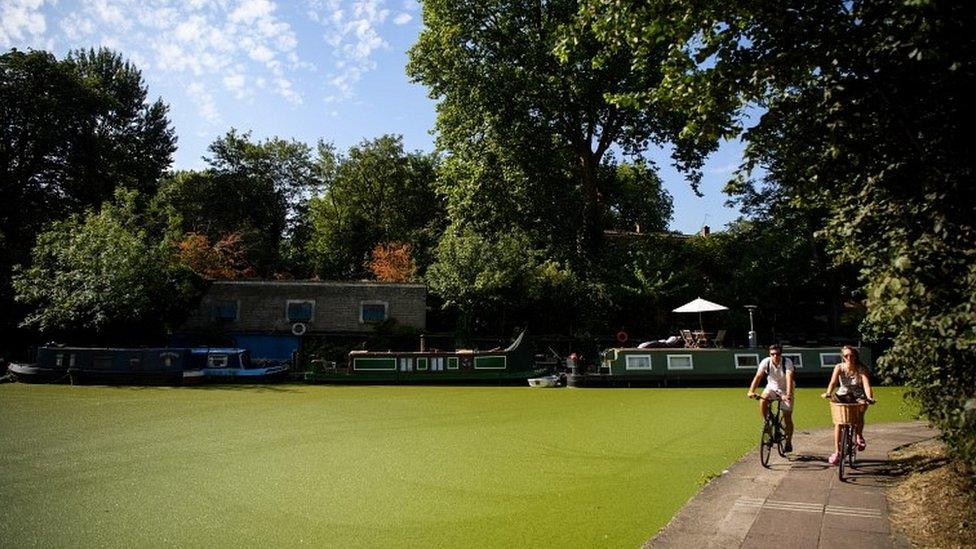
700,306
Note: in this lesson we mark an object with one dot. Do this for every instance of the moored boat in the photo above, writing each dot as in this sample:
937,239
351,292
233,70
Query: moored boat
515,363
679,364
235,364
104,365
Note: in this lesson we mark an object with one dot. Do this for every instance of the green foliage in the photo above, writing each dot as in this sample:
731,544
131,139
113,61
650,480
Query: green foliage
493,280
374,194
100,274
525,117
257,189
866,118
71,132
637,199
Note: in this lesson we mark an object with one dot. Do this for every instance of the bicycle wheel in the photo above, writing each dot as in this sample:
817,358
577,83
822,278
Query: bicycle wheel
844,449
780,440
851,447
766,443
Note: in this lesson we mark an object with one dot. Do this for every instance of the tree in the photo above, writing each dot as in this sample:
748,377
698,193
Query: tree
225,259
637,199
71,132
252,189
526,116
867,110
376,193
100,274
391,262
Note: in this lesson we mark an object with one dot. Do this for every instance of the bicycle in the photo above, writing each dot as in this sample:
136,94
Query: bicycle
847,416
773,432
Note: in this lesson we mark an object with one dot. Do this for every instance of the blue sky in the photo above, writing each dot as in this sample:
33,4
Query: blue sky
300,69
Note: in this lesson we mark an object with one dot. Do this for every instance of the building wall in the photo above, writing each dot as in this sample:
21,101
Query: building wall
261,306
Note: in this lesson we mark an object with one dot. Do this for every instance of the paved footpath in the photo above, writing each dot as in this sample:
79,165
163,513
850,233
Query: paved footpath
797,503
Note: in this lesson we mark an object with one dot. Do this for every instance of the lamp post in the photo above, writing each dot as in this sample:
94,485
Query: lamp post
752,331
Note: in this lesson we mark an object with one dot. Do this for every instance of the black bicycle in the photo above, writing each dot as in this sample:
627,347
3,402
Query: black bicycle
847,415
773,432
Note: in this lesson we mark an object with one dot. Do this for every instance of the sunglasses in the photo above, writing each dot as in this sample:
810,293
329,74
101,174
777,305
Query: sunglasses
847,355
774,353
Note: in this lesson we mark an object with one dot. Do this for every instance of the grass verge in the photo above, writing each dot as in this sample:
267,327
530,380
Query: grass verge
934,504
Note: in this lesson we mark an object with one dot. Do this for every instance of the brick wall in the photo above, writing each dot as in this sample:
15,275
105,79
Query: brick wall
262,305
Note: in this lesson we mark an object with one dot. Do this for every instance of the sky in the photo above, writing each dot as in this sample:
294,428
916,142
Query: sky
296,69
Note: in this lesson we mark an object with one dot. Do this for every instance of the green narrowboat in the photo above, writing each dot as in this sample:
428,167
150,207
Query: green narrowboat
623,366
512,364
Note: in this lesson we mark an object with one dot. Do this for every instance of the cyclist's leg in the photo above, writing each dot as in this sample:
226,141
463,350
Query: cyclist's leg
764,405
787,407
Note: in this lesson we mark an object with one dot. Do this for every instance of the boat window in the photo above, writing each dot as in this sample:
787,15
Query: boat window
437,363
680,362
245,359
422,363
217,361
638,362
59,360
452,363
795,358
71,360
406,364
299,310
372,311
746,361
135,363
102,362
225,310
829,360
168,359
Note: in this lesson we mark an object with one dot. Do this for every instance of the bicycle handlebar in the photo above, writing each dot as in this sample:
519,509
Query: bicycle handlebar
826,396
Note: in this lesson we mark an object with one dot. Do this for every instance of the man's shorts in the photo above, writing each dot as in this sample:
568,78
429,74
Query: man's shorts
784,405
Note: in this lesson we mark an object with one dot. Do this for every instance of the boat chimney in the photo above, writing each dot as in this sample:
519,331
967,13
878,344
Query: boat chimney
423,343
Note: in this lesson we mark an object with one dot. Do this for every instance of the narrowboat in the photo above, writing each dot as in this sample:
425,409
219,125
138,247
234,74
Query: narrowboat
107,365
235,364
515,363
626,366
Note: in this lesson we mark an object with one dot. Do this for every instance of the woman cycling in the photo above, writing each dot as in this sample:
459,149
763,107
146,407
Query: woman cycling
853,386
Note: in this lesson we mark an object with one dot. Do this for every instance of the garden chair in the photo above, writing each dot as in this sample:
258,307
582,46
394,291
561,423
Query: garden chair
719,338
689,339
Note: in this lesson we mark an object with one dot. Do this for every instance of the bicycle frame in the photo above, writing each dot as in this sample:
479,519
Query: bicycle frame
773,432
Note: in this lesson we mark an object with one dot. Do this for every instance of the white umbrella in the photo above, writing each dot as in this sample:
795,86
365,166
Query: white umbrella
700,306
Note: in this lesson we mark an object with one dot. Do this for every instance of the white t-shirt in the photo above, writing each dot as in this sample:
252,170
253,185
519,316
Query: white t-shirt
776,375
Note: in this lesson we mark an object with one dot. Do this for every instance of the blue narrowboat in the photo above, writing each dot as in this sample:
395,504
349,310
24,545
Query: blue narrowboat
229,363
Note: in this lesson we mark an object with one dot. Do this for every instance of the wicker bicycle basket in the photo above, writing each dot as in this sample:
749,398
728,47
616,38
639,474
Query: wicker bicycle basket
846,413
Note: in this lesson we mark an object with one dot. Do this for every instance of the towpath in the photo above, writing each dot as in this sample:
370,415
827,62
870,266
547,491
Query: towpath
797,503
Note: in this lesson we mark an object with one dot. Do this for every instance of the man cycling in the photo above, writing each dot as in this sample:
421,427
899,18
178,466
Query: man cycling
779,385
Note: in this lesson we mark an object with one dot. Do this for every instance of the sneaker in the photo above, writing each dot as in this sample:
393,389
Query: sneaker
834,458
861,445
788,447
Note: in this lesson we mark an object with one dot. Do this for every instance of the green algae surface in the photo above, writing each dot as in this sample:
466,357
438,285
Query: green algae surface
323,466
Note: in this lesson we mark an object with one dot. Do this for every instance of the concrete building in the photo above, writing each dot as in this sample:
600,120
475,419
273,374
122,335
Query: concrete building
269,316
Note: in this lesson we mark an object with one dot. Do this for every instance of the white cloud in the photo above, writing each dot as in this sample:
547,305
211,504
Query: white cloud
236,48
201,96
20,20
353,29
235,83
109,12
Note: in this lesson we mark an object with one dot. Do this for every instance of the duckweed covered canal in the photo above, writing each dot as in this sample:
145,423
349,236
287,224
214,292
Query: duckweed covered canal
367,466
